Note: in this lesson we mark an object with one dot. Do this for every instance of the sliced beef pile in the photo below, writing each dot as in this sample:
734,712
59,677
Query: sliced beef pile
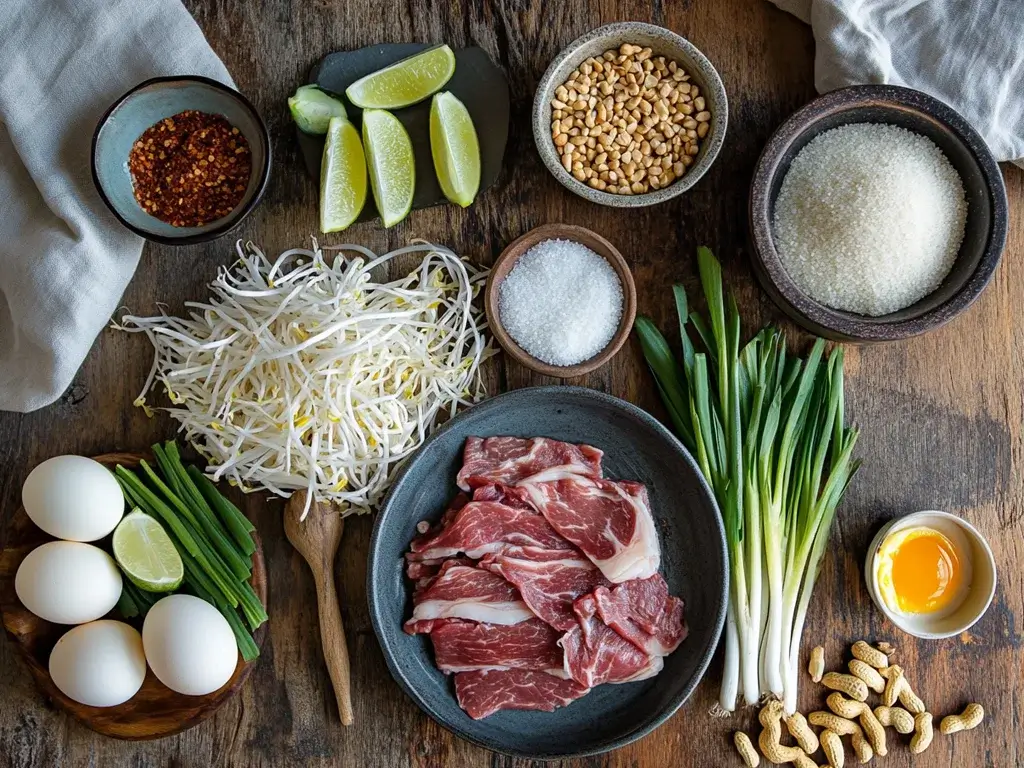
541,579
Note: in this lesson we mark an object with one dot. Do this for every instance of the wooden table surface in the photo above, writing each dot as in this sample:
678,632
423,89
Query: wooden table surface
940,415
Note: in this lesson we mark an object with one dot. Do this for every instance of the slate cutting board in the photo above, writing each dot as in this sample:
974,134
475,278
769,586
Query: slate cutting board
477,83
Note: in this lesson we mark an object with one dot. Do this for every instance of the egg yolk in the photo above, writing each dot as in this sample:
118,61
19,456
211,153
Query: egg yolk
926,572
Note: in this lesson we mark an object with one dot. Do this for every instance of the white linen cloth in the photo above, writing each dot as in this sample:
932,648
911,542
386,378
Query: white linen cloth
64,259
968,53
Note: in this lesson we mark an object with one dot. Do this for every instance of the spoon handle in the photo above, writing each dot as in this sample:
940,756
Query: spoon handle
332,635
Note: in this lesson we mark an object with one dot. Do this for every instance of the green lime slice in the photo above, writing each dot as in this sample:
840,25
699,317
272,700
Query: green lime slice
390,161
146,553
405,82
312,109
455,148
342,177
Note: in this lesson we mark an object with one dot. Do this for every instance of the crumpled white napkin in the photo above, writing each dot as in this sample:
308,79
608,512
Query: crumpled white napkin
64,259
969,53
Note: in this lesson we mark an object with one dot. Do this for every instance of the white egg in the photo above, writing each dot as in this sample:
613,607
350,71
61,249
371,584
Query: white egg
100,664
68,582
73,498
189,645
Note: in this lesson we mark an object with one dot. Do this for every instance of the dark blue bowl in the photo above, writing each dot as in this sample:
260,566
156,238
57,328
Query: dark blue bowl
694,563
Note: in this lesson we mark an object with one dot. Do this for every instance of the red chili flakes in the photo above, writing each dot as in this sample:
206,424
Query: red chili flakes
190,169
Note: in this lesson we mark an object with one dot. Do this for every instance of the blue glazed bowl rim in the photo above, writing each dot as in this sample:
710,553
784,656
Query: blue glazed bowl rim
237,216
374,563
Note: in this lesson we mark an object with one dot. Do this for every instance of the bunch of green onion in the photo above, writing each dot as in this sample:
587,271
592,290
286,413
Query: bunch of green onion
767,430
210,533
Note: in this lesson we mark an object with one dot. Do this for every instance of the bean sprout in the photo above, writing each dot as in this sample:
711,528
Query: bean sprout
306,373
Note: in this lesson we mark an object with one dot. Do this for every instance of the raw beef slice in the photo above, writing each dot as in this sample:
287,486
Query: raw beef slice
609,520
487,526
484,693
466,592
463,646
643,612
508,460
549,581
595,653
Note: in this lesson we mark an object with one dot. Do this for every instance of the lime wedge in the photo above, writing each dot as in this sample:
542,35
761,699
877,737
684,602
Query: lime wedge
312,109
390,161
405,82
455,148
146,553
342,177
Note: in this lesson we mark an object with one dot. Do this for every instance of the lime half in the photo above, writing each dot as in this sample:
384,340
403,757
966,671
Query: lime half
405,82
342,177
390,161
312,109
146,553
455,148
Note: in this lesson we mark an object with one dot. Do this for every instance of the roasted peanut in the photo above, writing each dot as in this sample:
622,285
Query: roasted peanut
861,747
833,722
862,651
816,666
852,686
797,726
868,674
771,712
746,749
800,760
887,648
922,732
874,731
868,722
833,748
844,707
897,717
897,687
770,738
971,717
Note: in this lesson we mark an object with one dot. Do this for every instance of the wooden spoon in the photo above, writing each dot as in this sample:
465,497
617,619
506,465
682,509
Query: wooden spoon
317,539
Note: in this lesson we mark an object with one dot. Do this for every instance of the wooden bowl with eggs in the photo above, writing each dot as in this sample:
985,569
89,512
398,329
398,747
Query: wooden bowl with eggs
155,711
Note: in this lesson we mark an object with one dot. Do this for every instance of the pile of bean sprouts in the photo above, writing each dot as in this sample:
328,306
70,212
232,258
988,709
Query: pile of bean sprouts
307,372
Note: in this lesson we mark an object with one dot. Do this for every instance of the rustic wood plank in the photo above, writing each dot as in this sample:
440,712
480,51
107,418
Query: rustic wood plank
941,414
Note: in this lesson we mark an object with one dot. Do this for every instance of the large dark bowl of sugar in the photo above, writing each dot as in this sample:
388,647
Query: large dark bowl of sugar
984,234
694,563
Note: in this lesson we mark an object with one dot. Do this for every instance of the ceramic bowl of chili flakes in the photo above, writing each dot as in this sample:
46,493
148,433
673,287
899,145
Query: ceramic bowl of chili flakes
181,160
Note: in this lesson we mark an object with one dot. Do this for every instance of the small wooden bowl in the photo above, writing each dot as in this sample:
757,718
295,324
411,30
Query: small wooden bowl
507,260
155,711
984,235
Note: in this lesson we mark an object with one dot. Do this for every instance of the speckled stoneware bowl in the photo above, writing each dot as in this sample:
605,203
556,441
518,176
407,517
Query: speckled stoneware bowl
694,560
145,105
984,237
663,42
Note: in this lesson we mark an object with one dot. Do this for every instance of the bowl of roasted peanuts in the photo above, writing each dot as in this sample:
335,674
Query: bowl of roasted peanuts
630,115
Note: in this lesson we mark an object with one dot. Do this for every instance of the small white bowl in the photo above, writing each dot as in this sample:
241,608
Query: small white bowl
980,591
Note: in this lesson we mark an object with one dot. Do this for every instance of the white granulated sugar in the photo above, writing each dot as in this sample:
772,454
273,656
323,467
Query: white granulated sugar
561,302
869,218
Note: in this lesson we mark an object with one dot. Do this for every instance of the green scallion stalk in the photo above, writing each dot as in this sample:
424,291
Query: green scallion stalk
768,433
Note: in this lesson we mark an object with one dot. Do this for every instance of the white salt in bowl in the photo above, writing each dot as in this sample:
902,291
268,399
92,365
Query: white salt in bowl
507,261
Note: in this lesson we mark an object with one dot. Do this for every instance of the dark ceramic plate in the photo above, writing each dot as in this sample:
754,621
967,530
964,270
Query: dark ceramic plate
984,235
477,83
636,447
